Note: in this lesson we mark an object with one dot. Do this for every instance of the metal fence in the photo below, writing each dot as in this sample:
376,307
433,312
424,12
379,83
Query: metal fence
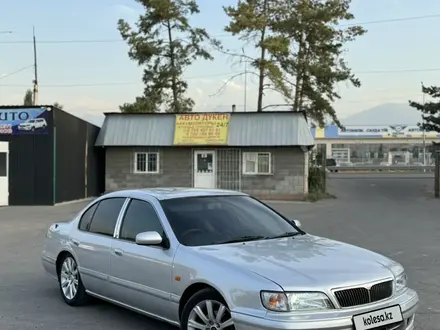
229,168
378,168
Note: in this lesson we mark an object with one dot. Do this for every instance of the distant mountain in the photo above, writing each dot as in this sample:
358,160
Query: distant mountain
385,114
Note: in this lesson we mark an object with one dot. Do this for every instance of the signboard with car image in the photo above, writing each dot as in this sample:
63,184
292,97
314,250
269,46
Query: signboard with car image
21,121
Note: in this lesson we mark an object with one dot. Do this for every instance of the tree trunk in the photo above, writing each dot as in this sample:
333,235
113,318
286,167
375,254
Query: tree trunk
262,67
261,77
299,76
175,106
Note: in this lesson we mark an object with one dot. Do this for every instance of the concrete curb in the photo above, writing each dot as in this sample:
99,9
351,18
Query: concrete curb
75,201
285,202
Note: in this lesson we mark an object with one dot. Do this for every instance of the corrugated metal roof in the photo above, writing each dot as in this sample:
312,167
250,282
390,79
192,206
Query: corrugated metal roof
269,129
245,129
137,130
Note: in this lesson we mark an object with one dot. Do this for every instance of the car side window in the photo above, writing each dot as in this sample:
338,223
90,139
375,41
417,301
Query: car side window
139,217
86,219
106,216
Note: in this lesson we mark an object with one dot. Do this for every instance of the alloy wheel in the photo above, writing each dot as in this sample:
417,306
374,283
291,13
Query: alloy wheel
69,278
210,315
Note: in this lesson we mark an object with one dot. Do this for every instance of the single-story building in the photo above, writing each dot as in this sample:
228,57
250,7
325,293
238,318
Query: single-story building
263,154
47,156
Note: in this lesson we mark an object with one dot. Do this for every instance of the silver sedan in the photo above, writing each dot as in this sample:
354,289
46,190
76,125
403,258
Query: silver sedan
215,259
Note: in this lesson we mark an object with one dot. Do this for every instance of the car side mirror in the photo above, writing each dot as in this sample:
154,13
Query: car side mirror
297,223
149,238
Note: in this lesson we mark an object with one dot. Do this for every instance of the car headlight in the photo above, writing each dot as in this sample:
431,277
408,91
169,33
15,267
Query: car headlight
401,282
400,278
295,301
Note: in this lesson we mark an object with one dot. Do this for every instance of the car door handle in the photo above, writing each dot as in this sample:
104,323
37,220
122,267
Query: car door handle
74,241
118,252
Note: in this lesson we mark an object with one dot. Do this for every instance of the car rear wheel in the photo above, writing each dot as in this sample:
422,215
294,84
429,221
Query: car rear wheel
71,287
206,310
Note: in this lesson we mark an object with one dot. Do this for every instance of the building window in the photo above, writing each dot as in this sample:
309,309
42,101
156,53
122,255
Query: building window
257,163
146,162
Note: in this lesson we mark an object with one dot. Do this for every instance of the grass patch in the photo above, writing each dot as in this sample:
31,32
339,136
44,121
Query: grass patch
315,196
318,185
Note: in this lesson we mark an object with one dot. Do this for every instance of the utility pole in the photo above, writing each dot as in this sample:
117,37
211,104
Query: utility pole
245,86
423,132
35,93
245,80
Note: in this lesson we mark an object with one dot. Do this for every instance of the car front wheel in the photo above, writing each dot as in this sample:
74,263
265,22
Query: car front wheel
206,310
71,287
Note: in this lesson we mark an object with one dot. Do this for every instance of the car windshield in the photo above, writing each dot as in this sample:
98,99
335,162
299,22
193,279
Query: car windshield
199,221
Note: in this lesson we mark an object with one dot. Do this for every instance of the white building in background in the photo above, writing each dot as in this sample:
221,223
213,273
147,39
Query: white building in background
377,144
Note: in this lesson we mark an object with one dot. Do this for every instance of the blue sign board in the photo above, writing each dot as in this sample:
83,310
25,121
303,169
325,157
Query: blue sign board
21,121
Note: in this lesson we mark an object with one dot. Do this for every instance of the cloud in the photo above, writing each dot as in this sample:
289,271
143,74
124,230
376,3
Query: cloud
128,13
93,102
206,99
125,10
233,85
92,105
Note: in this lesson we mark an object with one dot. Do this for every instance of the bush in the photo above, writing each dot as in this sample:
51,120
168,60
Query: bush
317,180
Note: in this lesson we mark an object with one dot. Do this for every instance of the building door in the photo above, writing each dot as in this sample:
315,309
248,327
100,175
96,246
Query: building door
4,182
204,169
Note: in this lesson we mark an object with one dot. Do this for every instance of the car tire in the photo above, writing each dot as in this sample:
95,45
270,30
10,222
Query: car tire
199,303
69,280
33,129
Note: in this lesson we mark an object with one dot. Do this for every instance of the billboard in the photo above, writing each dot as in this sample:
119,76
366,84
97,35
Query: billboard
371,131
201,129
383,130
21,121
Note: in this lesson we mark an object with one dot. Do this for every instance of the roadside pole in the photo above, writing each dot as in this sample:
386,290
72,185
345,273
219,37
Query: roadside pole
424,133
437,175
324,166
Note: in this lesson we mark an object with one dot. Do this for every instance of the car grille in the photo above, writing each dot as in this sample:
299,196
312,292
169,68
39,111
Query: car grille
394,326
361,296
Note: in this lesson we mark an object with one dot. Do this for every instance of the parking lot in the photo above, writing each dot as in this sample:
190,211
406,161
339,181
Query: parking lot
391,214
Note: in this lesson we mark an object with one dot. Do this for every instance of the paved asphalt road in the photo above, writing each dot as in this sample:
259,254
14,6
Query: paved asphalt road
391,214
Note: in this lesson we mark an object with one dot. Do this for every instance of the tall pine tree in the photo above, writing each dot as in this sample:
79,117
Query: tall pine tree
165,44
252,22
430,111
315,64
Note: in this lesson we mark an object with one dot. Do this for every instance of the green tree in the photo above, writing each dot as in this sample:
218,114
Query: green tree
165,44
59,106
252,21
28,98
315,64
430,111
380,151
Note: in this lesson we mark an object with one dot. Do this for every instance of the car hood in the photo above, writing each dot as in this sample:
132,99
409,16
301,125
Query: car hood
304,262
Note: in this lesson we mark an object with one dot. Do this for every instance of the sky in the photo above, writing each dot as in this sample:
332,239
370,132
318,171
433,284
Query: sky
391,60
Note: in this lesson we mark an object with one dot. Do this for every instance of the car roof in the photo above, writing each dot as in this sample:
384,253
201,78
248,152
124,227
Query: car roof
171,193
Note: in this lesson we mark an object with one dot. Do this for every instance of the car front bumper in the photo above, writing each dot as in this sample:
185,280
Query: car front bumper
337,319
